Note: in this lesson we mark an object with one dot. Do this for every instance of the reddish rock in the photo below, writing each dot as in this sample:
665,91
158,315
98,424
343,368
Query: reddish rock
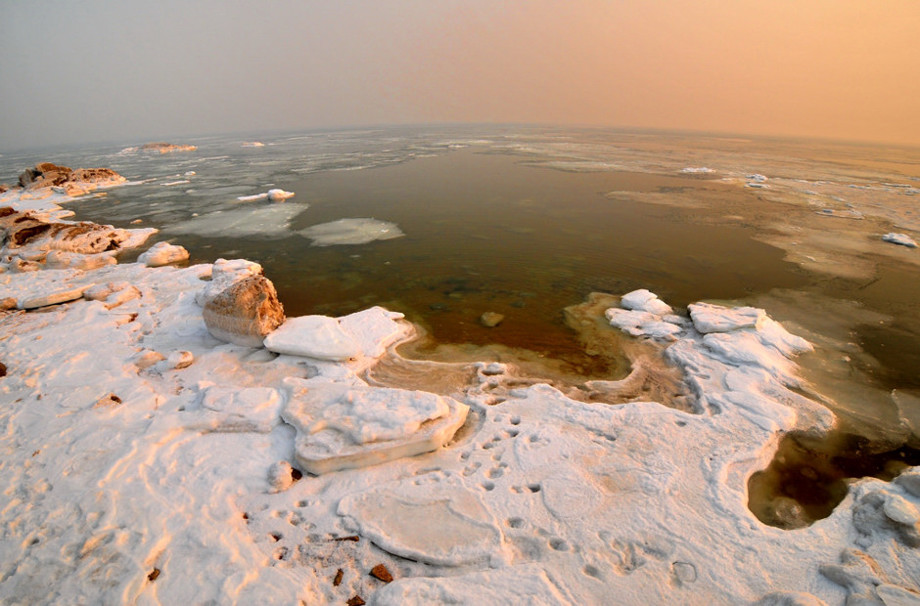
245,312
380,572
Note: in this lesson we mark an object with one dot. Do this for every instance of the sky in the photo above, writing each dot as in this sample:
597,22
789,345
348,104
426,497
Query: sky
95,70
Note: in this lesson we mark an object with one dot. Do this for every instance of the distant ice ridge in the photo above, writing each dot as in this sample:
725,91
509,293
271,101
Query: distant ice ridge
351,231
697,170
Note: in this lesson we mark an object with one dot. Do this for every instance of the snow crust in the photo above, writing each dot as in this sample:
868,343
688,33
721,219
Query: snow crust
143,461
351,231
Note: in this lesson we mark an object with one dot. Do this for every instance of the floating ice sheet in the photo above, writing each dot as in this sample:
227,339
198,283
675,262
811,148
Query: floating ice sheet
351,231
264,222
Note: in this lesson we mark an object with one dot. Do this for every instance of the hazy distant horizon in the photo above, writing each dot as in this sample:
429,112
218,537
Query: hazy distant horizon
88,72
192,138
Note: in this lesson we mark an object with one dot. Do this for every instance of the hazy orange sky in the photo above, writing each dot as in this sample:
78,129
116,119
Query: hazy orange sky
84,71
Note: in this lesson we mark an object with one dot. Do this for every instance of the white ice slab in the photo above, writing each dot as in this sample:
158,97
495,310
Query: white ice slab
318,337
902,239
341,426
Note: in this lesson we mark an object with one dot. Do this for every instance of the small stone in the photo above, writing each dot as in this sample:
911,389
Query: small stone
7,304
380,572
356,601
107,401
2,369
338,577
491,319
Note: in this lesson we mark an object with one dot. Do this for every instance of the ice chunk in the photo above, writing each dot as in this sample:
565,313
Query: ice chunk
163,253
318,337
342,426
715,318
642,324
902,239
366,333
643,300
272,195
375,329
351,231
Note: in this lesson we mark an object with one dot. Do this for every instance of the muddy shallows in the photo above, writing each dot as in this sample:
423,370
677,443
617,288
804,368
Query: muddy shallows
809,476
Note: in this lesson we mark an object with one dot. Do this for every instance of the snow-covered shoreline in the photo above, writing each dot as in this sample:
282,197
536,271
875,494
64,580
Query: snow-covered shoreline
146,461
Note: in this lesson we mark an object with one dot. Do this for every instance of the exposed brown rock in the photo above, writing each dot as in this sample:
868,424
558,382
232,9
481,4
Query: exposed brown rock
491,319
74,182
380,572
244,312
19,229
338,577
356,601
2,369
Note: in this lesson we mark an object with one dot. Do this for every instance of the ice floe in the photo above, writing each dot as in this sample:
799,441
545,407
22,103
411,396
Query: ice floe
351,231
264,222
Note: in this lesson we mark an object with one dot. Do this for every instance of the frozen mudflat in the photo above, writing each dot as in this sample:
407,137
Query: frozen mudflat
143,460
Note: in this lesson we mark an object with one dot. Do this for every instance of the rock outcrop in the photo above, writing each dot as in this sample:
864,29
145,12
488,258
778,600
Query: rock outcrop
24,230
72,182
